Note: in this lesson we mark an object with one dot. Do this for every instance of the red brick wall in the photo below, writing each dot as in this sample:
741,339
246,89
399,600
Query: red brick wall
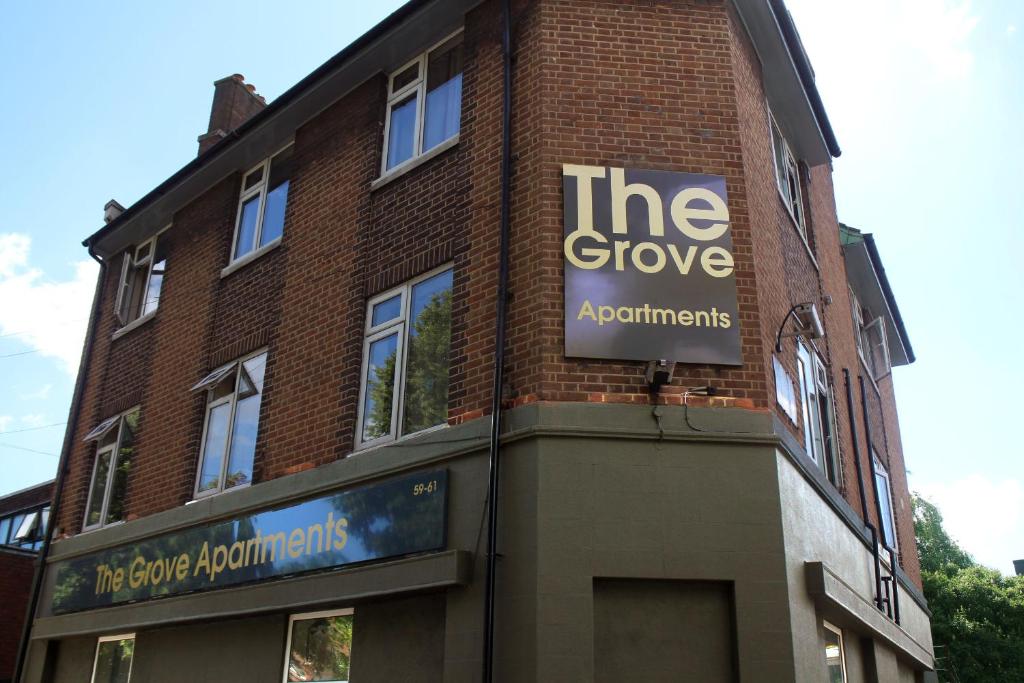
16,571
658,85
639,84
790,273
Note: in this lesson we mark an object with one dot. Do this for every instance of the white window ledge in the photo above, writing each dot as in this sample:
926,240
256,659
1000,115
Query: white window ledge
223,492
249,258
138,322
406,166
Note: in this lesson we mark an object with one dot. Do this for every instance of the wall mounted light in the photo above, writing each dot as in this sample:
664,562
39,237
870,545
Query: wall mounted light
807,321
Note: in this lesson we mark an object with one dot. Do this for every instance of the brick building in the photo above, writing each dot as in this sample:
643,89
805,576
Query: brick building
279,461
23,519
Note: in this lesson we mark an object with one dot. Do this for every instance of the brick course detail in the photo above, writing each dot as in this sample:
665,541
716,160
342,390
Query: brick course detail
644,84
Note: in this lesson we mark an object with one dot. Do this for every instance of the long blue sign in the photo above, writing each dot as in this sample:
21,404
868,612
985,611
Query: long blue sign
397,517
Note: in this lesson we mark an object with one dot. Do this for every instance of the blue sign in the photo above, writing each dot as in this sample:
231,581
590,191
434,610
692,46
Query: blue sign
389,519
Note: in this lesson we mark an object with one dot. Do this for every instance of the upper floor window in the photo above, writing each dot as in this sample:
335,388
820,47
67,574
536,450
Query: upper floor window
115,448
25,529
818,417
142,278
424,104
234,394
883,490
262,204
405,360
787,176
872,344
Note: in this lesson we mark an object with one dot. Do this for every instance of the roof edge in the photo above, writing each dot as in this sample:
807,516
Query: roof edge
883,280
279,103
805,72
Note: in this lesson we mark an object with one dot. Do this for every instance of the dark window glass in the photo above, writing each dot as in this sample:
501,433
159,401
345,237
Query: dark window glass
125,452
100,475
380,387
405,78
426,372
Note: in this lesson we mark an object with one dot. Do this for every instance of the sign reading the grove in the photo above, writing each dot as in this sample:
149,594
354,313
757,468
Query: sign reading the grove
648,266
392,518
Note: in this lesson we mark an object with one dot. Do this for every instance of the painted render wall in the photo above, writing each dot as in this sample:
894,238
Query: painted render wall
814,533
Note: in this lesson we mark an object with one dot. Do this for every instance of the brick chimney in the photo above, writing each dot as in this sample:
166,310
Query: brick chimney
234,102
112,210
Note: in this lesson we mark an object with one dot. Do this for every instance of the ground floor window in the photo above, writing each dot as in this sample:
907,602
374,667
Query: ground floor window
835,655
114,659
319,647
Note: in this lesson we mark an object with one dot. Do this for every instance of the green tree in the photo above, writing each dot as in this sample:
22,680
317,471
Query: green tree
977,613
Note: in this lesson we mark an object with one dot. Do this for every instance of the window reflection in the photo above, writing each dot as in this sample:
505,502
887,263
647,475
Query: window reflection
321,649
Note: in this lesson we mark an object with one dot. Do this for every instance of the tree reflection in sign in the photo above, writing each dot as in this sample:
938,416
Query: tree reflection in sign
396,517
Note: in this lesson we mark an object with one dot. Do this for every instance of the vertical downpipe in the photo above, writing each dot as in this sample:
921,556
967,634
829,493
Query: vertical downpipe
494,461
62,466
871,469
860,486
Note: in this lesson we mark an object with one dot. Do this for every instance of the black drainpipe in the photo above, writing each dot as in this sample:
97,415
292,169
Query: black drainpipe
863,494
871,463
494,461
58,487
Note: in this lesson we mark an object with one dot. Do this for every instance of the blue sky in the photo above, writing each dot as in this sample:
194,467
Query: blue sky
106,100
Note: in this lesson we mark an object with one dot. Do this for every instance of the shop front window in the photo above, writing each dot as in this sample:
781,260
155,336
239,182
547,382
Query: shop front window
319,647
113,662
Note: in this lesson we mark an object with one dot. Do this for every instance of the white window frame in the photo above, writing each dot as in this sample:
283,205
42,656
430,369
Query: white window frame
842,647
881,471
260,188
419,85
863,336
792,179
375,332
348,611
107,639
129,264
820,446
872,331
208,383
115,448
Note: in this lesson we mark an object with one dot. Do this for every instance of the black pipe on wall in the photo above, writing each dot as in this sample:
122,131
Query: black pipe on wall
860,486
494,461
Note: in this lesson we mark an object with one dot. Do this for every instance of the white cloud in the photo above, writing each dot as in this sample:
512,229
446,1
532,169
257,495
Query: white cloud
985,517
40,394
5,422
37,420
47,315
1011,29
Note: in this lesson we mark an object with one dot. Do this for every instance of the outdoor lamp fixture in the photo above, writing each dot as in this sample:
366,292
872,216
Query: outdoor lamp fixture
659,373
808,324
